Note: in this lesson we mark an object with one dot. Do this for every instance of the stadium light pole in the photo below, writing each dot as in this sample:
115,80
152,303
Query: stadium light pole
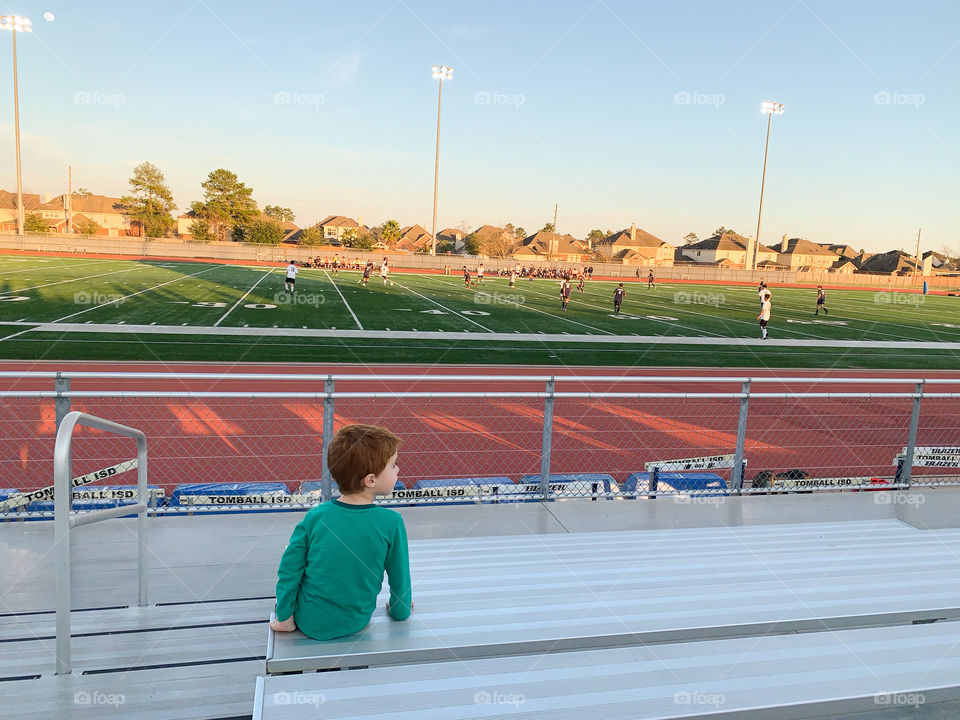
441,73
771,109
16,23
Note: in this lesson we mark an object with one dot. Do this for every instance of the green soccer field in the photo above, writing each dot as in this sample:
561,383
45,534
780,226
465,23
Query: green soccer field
202,311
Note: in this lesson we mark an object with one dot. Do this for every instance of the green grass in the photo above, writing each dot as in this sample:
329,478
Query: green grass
183,294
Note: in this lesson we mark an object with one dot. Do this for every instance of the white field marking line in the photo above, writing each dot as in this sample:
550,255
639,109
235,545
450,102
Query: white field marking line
515,291
139,292
61,267
86,277
349,309
464,317
217,323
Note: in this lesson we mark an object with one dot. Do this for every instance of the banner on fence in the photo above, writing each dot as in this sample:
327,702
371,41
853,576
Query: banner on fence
698,463
47,492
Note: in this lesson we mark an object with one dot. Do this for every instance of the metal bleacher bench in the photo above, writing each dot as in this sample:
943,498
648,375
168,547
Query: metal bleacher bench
774,677
512,596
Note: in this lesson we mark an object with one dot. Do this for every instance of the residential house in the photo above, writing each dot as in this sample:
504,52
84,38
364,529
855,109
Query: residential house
727,250
934,262
846,251
494,241
552,247
8,208
634,246
334,227
801,254
895,262
844,266
105,211
415,238
452,236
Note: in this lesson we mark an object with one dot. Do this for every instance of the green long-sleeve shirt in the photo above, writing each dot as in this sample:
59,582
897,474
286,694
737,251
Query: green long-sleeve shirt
332,570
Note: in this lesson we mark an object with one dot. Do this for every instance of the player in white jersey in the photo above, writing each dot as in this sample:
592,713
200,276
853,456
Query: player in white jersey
291,277
764,316
384,272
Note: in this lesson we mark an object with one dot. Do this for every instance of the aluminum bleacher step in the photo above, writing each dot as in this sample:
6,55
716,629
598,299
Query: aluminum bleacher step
783,677
485,599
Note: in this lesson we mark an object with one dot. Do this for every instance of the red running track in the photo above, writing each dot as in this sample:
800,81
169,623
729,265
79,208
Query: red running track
279,440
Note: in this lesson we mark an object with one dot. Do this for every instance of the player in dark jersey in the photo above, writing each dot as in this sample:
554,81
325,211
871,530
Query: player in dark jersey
466,276
368,268
618,299
650,280
564,294
821,301
580,283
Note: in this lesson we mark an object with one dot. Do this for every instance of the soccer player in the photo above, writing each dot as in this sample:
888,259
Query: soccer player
580,283
291,277
618,299
513,278
336,263
564,294
763,291
384,272
764,316
367,269
466,276
821,301
480,274
650,280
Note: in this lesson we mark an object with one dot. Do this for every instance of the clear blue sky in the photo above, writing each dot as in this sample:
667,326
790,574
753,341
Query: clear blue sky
583,110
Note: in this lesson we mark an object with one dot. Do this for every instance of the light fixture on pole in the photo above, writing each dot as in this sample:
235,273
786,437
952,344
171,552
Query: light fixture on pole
771,109
16,24
441,73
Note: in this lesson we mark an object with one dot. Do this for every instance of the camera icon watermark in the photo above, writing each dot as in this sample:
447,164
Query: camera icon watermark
898,498
885,97
85,97
285,97
97,298
913,700
498,298
685,297
285,298
493,697
684,499
892,298
96,698
713,700
482,97
299,698
696,97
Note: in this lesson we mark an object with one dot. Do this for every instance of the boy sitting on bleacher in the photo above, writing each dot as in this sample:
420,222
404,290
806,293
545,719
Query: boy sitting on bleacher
332,570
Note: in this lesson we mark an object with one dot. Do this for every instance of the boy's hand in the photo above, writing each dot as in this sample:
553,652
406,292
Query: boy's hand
287,625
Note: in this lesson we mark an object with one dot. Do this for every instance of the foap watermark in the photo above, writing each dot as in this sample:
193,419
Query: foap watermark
713,700
498,298
715,500
685,297
897,498
914,700
885,97
295,298
299,698
682,97
94,697
85,97
295,97
892,298
493,697
482,97
97,298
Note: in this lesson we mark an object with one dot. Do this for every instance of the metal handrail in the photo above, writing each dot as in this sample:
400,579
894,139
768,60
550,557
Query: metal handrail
64,520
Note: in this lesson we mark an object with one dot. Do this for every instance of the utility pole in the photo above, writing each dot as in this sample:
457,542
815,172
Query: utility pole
557,205
69,202
917,258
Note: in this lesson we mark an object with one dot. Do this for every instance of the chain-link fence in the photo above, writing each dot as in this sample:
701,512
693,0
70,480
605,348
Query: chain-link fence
230,440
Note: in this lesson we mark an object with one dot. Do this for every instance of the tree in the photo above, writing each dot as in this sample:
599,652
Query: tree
150,201
200,229
312,236
471,244
33,222
690,238
279,213
594,236
87,227
519,233
498,245
227,202
722,230
82,192
388,233
548,227
263,232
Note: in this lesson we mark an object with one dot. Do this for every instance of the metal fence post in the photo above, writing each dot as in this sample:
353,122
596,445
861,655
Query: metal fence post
736,475
326,486
547,439
907,468
61,404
